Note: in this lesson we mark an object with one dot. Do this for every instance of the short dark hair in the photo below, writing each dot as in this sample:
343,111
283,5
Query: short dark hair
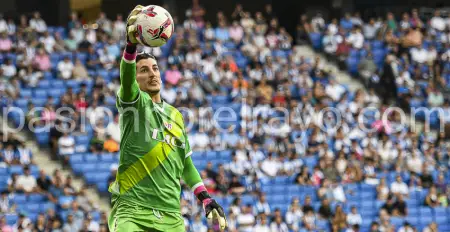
144,55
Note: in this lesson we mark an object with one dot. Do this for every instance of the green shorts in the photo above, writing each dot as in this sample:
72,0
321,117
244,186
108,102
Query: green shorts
132,219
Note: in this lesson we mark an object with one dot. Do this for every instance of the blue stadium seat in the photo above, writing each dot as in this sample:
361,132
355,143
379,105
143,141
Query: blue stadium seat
425,211
90,158
102,186
35,197
58,84
88,167
44,207
16,169
397,221
107,157
39,102
25,93
76,159
322,224
11,219
20,199
32,207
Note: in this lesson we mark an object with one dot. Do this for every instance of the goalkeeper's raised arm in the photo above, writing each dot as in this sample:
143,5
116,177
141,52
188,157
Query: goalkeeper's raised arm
154,151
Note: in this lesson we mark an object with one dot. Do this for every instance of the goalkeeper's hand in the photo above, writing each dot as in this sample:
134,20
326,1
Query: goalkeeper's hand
131,28
214,212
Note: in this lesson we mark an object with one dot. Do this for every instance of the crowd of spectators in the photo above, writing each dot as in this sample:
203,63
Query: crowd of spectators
246,62
404,57
37,201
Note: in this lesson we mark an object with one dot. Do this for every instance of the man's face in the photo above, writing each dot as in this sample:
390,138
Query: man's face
148,76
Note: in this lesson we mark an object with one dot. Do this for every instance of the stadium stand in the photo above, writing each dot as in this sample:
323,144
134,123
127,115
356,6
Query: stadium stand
269,176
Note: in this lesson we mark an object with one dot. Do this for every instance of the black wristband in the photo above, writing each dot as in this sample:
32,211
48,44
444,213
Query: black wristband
203,195
130,48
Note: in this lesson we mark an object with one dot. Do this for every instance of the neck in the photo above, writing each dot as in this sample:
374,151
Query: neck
156,97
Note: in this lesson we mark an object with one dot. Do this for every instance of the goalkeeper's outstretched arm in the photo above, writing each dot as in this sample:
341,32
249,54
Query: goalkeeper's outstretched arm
129,88
193,179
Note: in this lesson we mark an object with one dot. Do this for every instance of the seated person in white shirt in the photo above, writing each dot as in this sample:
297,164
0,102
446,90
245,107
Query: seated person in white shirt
26,182
261,225
278,225
399,187
65,68
261,206
406,228
354,218
246,219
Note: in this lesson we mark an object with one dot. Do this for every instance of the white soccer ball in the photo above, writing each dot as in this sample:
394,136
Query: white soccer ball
154,26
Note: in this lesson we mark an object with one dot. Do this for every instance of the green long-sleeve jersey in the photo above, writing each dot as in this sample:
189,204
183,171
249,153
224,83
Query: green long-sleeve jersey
154,148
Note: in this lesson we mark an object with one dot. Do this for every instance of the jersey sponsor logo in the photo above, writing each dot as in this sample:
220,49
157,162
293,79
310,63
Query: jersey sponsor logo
168,125
168,139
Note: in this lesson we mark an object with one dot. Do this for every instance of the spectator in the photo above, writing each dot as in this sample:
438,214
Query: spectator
245,219
48,41
426,178
406,228
43,182
339,221
198,225
435,98
9,69
370,29
294,215
325,210
173,76
42,60
354,228
3,25
431,200
37,23
66,144
77,214
92,225
399,187
367,68
261,207
65,68
110,145
5,43
235,186
389,206
40,224
261,225
26,183
400,207
437,22
356,38
309,220
278,225
432,227
5,202
354,218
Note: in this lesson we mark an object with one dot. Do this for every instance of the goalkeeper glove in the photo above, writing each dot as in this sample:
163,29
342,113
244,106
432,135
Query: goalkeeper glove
131,28
213,210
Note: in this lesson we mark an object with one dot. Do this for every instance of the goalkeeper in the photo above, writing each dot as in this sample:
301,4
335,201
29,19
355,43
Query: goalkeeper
155,152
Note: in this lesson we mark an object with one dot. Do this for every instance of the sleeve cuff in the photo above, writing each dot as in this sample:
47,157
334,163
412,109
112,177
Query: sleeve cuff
129,57
198,188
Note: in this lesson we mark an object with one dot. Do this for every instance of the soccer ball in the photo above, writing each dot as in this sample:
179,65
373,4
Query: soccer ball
154,26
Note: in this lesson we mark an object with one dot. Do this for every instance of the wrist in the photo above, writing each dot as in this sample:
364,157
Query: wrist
201,193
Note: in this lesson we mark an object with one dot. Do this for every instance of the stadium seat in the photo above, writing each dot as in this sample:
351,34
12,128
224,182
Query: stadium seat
36,198
20,199
11,219
18,169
